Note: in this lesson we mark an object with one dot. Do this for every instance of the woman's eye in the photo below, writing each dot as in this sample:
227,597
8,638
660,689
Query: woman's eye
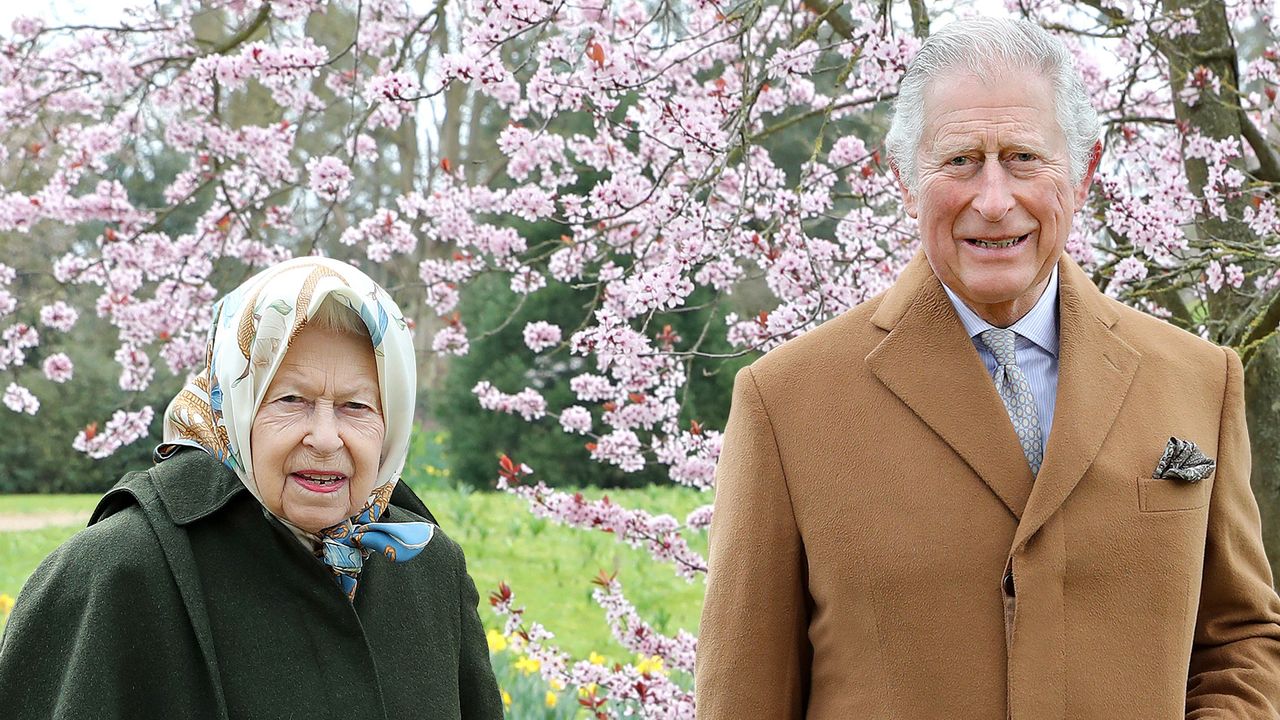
353,405
1024,157
290,399
958,161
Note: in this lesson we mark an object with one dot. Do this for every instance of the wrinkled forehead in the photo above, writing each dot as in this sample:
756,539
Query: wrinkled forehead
967,111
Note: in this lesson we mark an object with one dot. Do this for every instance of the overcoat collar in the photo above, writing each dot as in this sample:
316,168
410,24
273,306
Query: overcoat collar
929,362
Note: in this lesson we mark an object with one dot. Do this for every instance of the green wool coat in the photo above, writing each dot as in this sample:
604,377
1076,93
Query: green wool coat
183,599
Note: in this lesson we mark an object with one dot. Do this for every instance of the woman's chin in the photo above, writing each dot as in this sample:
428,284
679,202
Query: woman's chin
315,519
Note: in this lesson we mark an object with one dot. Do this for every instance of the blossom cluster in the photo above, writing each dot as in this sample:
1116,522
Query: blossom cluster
661,535
642,689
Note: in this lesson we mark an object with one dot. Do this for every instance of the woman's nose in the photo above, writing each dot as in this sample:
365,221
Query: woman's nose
322,434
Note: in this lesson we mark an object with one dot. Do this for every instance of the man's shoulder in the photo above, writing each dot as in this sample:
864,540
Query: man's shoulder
836,344
1155,337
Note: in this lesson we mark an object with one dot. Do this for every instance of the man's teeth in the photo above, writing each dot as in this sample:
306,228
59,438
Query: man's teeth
999,244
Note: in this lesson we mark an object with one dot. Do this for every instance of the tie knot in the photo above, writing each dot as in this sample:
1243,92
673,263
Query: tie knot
1000,342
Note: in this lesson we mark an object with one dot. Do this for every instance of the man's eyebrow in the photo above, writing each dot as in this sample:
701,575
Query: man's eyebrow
955,145
960,144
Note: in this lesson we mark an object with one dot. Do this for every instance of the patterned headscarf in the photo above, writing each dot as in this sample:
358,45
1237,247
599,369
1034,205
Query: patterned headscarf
252,329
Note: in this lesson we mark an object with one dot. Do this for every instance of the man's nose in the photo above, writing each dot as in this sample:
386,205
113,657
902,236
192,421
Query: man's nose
322,435
994,198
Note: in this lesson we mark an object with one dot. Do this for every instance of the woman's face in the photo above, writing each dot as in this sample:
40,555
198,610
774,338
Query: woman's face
317,438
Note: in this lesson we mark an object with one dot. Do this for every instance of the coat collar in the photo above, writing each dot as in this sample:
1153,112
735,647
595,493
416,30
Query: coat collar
929,362
190,485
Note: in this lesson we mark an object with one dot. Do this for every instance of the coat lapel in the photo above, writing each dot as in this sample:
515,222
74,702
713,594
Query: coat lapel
929,362
1095,369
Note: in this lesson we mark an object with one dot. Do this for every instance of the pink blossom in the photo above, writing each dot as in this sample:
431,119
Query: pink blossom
1235,275
451,339
1214,276
330,178
123,429
58,367
540,335
20,399
136,371
528,403
576,419
391,87
620,448
59,316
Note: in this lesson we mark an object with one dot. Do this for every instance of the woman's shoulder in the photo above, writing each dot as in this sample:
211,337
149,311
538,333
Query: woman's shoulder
119,550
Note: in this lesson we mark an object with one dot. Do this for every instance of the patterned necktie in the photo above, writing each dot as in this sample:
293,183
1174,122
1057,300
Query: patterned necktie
1015,391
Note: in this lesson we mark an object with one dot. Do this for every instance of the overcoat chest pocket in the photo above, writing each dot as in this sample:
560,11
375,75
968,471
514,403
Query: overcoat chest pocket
1164,495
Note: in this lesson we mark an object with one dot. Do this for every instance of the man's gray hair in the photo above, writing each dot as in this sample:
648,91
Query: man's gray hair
989,47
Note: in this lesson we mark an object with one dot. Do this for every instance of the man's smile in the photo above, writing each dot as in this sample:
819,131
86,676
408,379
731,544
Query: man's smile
997,243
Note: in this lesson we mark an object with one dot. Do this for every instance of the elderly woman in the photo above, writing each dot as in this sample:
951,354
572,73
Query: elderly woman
269,565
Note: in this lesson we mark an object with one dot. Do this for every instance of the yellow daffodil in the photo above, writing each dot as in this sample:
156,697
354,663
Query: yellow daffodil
528,665
556,684
497,642
653,665
586,690
6,603
506,699
596,658
551,699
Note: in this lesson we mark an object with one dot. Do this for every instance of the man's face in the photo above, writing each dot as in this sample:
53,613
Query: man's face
994,197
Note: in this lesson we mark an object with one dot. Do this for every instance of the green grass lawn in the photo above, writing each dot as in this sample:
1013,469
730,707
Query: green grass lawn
549,567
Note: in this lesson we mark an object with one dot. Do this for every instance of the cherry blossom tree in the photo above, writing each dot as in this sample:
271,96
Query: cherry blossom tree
729,146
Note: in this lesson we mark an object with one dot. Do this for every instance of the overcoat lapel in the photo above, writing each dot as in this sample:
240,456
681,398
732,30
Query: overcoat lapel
929,362
1095,369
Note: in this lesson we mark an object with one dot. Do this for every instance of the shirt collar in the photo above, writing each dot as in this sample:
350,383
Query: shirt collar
1040,325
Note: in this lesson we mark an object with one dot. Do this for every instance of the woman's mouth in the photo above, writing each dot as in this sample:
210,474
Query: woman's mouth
317,481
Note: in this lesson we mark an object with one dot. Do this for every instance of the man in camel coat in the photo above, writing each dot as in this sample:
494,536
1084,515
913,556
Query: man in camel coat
954,501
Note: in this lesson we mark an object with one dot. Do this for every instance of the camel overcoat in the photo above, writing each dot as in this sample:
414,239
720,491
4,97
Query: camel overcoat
880,548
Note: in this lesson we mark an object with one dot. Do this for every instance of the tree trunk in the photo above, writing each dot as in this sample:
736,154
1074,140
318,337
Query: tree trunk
1213,47
1262,407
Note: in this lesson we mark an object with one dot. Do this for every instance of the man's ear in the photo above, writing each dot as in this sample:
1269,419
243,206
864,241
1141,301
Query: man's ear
908,197
1082,190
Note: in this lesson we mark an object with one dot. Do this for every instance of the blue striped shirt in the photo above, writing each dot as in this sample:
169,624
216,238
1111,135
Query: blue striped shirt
1035,344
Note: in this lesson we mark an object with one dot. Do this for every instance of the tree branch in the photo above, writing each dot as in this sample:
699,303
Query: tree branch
919,18
827,11
1268,165
245,32
1263,327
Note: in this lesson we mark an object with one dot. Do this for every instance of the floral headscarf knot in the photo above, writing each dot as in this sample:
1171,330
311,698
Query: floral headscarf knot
252,329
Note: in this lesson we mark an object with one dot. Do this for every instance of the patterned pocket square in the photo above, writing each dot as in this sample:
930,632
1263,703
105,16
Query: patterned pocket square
1182,460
